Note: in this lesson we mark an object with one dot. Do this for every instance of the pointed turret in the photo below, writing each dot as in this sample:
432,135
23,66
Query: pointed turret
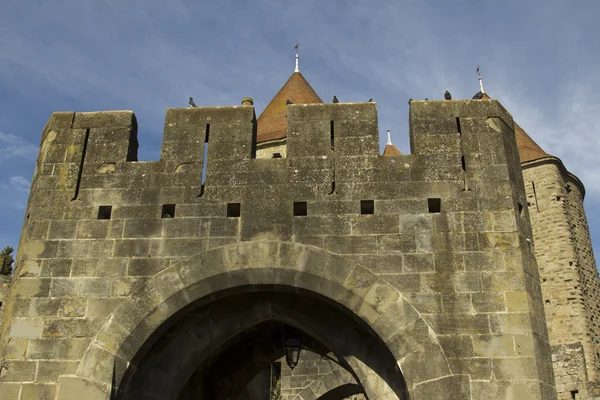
391,150
272,123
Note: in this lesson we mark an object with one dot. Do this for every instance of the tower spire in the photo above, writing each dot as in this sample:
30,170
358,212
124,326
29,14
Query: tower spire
480,80
389,142
296,47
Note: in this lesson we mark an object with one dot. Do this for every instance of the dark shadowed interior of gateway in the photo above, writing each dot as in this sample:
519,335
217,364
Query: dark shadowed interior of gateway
233,346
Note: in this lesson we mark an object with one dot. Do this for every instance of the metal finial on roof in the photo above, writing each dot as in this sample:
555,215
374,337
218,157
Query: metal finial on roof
389,142
296,47
480,80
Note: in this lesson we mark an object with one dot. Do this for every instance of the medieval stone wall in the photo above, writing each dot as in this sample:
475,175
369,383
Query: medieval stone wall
568,275
590,281
429,250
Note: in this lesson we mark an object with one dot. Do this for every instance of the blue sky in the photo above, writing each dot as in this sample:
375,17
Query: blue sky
539,58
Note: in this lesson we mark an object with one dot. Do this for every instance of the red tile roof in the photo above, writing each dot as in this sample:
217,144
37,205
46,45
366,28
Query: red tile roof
391,151
272,123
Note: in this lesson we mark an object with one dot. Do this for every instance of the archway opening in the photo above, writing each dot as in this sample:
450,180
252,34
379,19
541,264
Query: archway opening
233,347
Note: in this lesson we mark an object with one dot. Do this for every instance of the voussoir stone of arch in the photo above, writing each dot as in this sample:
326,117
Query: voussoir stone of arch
273,264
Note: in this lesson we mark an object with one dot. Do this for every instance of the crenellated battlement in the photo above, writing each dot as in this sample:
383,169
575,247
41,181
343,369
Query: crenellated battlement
463,154
430,249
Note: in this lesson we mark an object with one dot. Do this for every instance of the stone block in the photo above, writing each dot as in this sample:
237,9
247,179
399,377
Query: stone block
146,266
514,368
18,371
50,371
57,349
405,243
493,346
26,328
38,391
418,262
351,244
32,287
10,391
73,387
488,302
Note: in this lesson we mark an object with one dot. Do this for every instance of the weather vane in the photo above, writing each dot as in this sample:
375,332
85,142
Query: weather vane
480,80
296,47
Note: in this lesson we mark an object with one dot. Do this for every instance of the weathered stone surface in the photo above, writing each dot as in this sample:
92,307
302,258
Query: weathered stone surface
450,294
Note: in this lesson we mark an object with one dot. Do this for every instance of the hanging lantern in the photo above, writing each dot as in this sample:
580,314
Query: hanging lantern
292,351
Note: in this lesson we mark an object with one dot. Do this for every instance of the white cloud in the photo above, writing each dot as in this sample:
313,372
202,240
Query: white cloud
14,192
12,146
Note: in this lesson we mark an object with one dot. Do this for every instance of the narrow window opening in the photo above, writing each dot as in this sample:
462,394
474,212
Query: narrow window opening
535,197
544,280
332,186
332,132
234,210
434,205
367,206
253,144
574,394
81,162
300,209
570,263
547,301
276,155
520,207
204,159
458,128
558,198
464,165
569,189
104,212
168,211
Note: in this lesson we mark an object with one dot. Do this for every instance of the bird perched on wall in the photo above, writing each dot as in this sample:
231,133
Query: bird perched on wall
370,100
447,95
478,96
191,103
335,99
409,101
288,102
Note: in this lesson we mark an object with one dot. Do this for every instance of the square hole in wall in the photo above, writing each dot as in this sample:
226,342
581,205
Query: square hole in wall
168,211
300,208
234,210
434,205
104,212
367,206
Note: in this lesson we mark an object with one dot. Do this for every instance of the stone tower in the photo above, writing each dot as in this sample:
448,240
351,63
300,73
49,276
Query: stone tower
570,282
401,276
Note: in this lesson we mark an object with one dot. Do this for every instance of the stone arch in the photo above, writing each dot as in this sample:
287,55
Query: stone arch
341,392
333,386
198,279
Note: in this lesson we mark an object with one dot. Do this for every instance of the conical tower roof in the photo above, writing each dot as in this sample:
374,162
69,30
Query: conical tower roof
272,123
391,151
529,150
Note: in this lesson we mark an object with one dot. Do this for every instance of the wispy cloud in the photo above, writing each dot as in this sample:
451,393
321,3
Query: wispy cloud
147,55
14,192
12,146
